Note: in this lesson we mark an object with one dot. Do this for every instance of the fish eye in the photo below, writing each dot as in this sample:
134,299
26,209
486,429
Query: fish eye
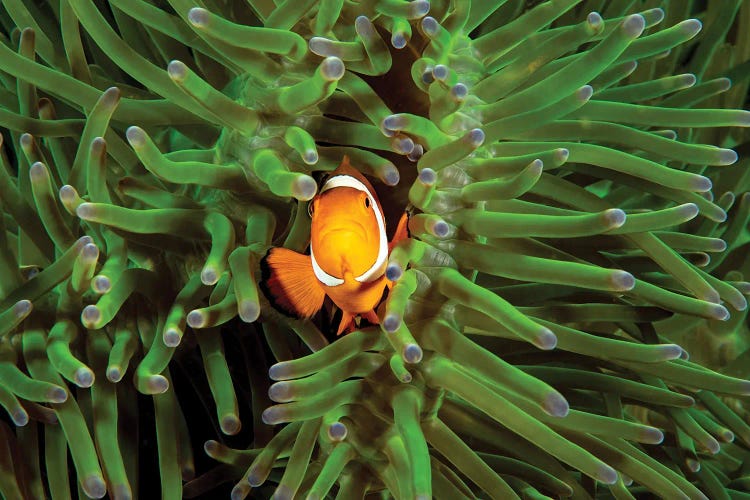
367,202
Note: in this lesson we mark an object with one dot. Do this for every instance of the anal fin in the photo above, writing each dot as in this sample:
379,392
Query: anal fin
371,316
347,323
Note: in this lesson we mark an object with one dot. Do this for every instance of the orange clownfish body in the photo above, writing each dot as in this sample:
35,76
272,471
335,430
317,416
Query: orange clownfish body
348,254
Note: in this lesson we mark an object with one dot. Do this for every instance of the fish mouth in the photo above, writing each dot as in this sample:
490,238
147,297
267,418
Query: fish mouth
358,231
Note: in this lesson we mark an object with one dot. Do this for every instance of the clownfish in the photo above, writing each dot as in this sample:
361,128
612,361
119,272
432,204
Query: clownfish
348,256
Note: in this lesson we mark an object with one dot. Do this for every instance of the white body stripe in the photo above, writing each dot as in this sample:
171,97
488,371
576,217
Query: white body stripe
377,269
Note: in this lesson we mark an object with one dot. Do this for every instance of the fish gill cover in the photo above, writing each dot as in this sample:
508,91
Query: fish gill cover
569,316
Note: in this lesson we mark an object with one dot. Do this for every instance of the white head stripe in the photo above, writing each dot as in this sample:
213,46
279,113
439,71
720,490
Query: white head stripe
345,181
323,276
378,266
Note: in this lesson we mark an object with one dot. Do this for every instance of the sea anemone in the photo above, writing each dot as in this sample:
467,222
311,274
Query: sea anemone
568,316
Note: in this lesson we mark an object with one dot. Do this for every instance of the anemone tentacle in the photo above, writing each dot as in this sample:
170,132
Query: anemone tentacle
568,315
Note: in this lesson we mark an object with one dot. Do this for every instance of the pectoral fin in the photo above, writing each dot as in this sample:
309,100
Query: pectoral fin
290,284
402,232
